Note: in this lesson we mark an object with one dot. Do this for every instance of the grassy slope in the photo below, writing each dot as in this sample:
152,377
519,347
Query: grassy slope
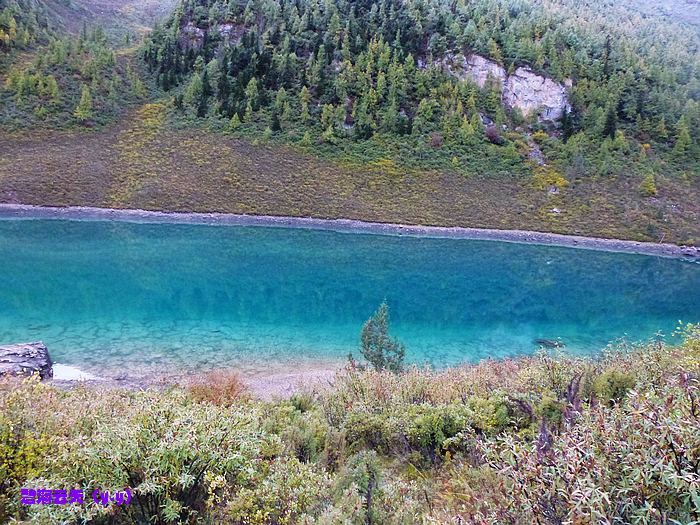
117,17
144,163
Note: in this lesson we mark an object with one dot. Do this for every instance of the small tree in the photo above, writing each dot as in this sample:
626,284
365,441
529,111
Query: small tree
683,140
305,140
234,123
610,122
204,94
382,351
84,110
648,186
305,101
275,124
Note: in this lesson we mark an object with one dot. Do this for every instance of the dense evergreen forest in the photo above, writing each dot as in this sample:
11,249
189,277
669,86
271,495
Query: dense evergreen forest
351,70
336,71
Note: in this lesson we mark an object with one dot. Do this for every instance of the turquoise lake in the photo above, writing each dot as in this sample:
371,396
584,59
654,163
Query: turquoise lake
119,296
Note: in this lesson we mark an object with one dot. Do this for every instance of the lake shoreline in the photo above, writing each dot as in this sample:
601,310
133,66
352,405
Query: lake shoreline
27,211
268,385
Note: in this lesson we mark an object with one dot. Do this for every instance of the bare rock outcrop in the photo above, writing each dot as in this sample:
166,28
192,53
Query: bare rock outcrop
530,93
524,89
26,359
475,68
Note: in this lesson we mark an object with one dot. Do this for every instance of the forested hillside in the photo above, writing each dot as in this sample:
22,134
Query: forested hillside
25,23
687,11
70,63
351,70
557,115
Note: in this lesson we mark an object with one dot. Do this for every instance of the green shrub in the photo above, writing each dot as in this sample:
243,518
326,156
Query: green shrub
417,447
162,446
372,431
612,386
428,428
551,410
363,495
635,462
23,456
335,449
302,402
489,415
287,490
305,437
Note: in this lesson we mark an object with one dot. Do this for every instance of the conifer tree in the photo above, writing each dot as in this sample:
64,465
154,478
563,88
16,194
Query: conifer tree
610,123
683,139
84,110
234,123
305,100
381,350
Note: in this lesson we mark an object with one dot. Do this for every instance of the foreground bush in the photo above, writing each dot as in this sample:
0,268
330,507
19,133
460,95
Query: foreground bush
549,439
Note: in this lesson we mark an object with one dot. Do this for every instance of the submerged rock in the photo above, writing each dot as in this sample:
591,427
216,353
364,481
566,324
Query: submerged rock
549,343
26,359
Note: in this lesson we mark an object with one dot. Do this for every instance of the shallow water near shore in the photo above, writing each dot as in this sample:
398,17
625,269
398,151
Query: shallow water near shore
128,298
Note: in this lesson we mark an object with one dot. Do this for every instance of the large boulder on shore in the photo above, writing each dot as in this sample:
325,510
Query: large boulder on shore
26,359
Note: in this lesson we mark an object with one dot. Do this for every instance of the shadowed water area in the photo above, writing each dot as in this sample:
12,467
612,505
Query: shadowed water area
118,296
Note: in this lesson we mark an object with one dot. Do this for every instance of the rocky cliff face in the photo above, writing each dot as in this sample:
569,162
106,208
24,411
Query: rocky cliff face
525,90
533,93
479,69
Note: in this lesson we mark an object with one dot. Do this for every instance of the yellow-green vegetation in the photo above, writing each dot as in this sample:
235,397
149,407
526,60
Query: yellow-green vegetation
547,178
547,439
132,145
648,186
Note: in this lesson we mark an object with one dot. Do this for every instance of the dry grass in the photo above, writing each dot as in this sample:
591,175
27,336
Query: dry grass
142,163
221,388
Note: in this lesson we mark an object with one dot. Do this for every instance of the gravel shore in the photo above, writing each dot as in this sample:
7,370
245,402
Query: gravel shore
21,211
267,386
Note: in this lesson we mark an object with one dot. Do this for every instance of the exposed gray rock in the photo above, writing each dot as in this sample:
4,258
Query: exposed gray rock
231,33
524,89
225,30
192,31
485,120
26,359
192,36
475,68
533,93
690,251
